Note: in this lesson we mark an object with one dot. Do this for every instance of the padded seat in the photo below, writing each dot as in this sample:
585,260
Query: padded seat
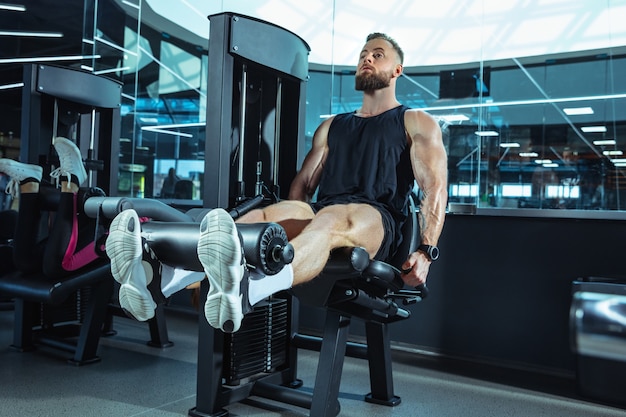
67,314
37,288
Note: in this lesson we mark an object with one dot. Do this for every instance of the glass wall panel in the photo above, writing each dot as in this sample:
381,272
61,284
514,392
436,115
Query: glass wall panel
532,100
163,109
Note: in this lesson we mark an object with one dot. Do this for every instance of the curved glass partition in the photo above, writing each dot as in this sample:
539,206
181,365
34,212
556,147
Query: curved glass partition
531,99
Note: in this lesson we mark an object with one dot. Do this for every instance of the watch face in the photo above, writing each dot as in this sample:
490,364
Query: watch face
431,251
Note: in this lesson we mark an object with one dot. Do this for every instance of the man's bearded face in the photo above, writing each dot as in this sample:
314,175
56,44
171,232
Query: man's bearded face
372,81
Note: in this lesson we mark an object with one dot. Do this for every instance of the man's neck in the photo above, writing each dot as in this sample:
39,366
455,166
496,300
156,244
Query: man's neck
377,102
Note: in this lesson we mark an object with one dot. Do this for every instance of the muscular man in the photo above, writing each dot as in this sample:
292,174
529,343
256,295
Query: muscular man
362,165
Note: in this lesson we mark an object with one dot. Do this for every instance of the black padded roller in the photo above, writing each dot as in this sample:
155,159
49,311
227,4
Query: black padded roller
265,246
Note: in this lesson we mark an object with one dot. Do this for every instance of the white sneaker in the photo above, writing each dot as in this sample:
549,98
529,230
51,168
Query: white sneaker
18,172
71,161
124,248
221,254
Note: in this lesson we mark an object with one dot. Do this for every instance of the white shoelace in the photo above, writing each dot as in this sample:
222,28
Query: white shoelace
58,173
13,187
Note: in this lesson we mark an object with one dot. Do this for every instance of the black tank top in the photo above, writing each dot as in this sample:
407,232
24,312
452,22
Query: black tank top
368,161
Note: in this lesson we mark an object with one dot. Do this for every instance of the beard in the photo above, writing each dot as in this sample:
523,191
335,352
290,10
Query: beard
372,81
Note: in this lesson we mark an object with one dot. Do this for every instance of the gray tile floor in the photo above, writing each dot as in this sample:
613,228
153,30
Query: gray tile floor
134,379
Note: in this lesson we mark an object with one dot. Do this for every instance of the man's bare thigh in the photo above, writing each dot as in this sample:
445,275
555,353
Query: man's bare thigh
292,215
351,224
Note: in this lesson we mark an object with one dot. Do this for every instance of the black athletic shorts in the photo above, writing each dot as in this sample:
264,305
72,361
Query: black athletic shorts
390,239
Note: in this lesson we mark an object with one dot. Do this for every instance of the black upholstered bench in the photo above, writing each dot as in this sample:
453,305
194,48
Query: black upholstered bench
67,314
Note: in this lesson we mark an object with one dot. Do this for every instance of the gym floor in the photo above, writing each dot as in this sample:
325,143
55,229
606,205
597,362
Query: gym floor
134,379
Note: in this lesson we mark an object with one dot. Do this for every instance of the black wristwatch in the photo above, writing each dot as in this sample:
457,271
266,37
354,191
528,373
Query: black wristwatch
431,251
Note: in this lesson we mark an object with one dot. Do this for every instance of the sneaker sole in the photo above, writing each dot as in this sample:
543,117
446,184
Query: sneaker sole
123,247
219,251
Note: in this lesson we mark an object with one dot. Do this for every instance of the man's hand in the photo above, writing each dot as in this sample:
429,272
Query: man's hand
415,269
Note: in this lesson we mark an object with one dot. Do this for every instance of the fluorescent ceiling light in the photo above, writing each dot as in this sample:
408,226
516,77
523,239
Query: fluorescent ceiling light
577,111
24,34
510,145
13,7
524,102
136,6
528,154
593,129
605,142
613,153
163,129
543,161
486,133
551,165
48,59
167,132
620,162
451,118
9,86
110,70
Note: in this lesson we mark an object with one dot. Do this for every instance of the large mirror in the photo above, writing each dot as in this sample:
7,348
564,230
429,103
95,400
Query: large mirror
531,96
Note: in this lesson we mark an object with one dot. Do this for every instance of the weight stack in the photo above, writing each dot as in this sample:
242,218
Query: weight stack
260,345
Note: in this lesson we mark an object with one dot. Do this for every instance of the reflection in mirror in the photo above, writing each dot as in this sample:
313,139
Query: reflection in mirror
529,98
163,109
535,121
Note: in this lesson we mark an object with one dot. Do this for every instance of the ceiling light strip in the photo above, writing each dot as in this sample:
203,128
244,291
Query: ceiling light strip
13,7
593,129
525,102
114,45
174,126
129,97
128,3
25,34
486,133
48,59
110,70
167,132
578,111
9,86
605,142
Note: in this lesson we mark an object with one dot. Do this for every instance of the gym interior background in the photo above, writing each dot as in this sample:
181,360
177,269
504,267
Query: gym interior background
532,98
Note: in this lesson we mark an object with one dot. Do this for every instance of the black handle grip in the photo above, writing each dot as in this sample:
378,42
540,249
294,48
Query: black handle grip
246,206
423,289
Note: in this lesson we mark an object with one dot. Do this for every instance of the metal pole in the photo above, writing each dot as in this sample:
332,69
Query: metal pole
242,129
279,94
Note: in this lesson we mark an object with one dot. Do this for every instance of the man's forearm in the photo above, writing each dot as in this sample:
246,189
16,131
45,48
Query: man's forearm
432,214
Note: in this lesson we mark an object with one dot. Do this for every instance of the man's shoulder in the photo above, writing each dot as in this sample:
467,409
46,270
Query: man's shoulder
419,115
417,120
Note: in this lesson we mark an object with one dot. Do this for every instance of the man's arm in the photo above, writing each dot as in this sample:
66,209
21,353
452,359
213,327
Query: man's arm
304,184
430,167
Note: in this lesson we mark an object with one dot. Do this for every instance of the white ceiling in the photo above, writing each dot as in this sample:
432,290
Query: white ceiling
432,32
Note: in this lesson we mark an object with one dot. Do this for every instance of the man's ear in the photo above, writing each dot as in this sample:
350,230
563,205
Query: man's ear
398,70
